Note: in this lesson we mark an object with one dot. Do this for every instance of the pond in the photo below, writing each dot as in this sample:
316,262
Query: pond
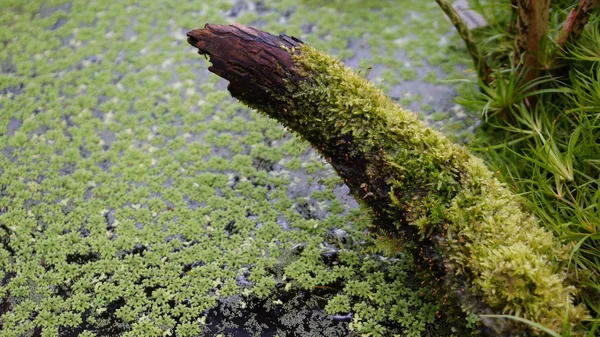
138,198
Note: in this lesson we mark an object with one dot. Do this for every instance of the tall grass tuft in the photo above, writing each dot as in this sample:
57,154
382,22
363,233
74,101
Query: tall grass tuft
545,143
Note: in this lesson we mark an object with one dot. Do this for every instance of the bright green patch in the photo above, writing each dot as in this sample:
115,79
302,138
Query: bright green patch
135,194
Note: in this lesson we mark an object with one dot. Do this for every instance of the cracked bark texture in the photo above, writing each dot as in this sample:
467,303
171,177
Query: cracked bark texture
251,60
530,39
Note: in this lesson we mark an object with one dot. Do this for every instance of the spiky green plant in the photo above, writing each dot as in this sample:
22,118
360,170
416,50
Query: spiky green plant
549,154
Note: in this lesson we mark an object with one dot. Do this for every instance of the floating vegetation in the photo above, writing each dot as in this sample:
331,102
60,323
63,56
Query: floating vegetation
137,198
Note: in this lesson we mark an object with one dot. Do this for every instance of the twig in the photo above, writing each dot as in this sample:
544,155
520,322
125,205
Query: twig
483,70
576,21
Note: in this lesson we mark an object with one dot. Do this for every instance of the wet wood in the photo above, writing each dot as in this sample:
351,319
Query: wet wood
258,67
253,61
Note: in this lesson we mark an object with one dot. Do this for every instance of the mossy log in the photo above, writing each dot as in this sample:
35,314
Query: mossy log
449,209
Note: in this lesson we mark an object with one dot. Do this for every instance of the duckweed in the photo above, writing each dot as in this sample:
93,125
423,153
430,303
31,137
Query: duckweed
138,199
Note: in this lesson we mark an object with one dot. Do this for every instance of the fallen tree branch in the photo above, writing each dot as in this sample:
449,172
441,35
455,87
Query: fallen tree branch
447,206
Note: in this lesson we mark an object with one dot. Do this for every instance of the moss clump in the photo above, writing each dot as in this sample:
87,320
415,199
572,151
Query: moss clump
496,256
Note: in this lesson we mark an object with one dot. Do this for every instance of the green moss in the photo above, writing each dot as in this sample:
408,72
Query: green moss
482,231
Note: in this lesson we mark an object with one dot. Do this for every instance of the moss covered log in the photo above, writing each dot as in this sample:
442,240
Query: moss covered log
446,206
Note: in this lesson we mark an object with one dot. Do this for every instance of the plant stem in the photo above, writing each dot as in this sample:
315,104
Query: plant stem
483,70
532,27
576,21
514,12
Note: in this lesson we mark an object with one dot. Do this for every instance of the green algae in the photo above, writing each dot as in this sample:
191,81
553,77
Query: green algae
135,195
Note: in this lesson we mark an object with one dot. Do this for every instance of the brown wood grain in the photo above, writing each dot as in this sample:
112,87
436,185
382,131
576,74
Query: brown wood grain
254,62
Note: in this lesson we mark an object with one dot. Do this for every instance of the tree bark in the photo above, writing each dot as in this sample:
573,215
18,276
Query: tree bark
576,21
459,222
532,27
